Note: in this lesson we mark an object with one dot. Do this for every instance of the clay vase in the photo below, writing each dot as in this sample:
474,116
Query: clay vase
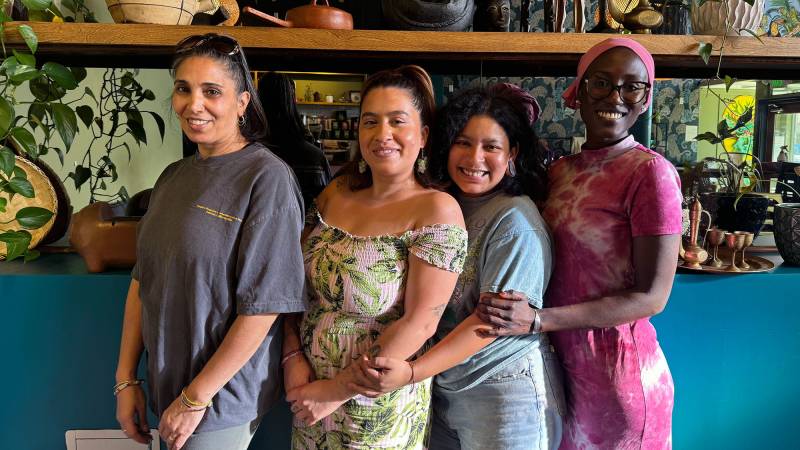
162,12
104,241
786,221
710,18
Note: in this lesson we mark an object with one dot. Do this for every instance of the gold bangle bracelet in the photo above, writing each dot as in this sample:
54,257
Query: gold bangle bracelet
124,384
191,404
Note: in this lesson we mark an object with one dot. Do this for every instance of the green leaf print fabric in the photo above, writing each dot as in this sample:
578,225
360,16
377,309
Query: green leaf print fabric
358,285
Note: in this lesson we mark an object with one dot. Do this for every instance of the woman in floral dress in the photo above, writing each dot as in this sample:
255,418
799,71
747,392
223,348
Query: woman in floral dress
614,211
485,147
382,260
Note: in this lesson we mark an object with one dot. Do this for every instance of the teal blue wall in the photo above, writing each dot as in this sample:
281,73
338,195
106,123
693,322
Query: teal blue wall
732,343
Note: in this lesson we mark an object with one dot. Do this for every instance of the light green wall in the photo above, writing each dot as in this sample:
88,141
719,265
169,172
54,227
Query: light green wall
711,109
147,162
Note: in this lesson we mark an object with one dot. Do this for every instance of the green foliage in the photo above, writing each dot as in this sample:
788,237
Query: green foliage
704,50
29,130
113,116
16,133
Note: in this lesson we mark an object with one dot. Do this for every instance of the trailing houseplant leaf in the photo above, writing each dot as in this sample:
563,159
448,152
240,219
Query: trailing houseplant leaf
66,123
33,217
16,243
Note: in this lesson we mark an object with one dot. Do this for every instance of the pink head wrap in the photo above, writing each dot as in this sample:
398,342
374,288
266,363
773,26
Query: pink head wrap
571,94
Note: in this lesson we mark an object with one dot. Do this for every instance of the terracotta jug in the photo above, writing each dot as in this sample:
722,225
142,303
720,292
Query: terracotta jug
102,240
309,16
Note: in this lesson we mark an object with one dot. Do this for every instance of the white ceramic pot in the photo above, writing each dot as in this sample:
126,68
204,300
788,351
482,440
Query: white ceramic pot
710,18
162,12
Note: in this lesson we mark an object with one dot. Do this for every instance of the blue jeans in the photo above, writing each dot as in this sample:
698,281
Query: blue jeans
520,407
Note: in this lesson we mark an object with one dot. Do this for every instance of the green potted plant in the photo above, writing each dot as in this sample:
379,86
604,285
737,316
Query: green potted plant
736,198
22,134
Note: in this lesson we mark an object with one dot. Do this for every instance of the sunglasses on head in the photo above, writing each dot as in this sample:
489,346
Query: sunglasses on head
217,42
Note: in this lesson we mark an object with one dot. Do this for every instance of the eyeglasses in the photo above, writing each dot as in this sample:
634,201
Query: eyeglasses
217,42
630,92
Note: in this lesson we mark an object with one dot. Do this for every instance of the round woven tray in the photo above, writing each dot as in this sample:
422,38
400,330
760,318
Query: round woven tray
44,197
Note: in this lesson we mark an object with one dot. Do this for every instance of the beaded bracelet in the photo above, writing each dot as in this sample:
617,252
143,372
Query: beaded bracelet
123,384
193,405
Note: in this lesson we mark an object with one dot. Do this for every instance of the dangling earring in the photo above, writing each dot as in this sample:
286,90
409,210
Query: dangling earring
241,121
362,166
512,169
577,103
422,162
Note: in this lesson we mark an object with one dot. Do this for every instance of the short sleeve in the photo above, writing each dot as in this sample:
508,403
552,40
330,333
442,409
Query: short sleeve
655,205
269,267
521,262
442,246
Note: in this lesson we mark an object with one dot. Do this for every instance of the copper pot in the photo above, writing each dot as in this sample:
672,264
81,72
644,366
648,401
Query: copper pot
309,16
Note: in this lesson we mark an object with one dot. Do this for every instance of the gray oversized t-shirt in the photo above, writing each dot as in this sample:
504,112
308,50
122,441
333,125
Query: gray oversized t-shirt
221,238
509,249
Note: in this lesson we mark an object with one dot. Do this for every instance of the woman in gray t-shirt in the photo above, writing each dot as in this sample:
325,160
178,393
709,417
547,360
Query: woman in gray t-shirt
489,392
218,259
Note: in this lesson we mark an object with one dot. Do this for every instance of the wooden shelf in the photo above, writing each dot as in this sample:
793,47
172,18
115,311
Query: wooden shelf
349,105
526,54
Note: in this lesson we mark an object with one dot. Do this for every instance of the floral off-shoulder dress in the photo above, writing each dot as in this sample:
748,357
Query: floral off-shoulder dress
358,285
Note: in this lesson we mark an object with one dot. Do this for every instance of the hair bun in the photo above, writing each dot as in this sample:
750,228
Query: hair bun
519,96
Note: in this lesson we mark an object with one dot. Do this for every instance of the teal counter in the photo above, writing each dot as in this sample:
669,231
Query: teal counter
731,341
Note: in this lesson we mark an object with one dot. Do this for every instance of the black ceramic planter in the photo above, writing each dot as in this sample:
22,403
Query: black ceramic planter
749,215
787,231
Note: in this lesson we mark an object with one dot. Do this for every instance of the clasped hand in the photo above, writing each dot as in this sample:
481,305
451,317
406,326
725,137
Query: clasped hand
379,375
314,401
509,313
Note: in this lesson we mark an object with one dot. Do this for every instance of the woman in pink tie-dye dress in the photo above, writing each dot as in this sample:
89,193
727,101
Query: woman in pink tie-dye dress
614,211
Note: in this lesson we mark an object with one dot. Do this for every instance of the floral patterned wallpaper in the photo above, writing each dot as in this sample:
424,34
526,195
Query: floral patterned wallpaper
676,105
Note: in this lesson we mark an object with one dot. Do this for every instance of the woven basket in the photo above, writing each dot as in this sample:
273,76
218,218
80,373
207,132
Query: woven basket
162,12
45,197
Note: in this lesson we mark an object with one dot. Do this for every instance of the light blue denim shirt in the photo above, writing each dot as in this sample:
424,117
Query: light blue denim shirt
509,249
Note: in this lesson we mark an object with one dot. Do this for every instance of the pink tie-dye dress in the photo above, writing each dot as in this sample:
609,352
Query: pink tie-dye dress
620,390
